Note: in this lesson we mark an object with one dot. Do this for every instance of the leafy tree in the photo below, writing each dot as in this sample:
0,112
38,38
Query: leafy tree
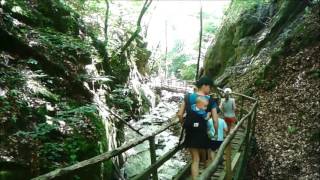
188,72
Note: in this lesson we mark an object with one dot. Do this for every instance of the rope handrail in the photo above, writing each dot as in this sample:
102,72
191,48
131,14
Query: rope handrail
102,157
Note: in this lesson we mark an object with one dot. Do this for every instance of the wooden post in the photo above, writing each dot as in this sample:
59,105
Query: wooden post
248,137
254,119
248,130
241,107
228,162
153,156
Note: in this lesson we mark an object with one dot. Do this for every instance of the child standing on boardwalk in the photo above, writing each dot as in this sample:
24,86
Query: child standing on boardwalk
216,137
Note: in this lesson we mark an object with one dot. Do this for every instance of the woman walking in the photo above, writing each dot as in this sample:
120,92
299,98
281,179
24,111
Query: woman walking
195,123
228,107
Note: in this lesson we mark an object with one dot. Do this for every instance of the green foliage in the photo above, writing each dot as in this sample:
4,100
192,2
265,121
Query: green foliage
178,63
15,111
40,132
315,74
210,28
315,135
51,152
266,84
121,99
56,149
267,78
63,46
51,97
178,60
249,92
292,129
12,78
119,69
188,72
77,111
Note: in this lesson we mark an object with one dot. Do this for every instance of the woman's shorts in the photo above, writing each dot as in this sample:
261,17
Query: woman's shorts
214,145
229,120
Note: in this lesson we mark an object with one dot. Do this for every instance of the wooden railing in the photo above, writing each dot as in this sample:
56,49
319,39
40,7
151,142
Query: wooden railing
113,153
175,85
225,148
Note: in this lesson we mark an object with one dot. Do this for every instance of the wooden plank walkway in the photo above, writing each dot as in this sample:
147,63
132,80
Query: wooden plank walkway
237,143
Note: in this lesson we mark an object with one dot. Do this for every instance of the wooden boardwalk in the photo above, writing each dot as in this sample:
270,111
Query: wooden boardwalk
237,143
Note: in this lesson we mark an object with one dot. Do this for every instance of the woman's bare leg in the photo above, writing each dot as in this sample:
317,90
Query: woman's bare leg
195,154
230,127
210,157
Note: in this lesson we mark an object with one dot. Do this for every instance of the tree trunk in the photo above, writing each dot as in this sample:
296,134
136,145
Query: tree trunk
200,42
166,52
154,60
105,62
106,20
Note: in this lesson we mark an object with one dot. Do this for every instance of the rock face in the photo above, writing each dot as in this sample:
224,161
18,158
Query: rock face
253,31
48,117
270,49
53,110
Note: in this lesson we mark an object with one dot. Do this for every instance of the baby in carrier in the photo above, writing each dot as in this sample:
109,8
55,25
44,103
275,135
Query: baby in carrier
200,107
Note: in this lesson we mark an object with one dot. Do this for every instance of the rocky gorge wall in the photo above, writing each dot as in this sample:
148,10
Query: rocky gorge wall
270,49
54,102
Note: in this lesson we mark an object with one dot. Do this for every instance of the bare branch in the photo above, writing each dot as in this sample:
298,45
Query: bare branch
145,7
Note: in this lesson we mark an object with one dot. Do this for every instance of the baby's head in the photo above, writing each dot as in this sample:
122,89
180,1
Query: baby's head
202,102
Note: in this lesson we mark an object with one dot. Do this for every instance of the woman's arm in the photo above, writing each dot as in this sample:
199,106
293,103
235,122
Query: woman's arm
181,112
214,117
221,106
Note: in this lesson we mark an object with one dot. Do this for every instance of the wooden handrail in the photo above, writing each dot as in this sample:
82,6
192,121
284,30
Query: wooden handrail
102,157
214,165
239,94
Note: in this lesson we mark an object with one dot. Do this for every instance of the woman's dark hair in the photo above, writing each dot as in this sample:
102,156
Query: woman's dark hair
204,81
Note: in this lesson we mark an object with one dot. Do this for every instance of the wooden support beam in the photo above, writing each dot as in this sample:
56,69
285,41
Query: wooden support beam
228,162
241,107
235,161
254,120
153,157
